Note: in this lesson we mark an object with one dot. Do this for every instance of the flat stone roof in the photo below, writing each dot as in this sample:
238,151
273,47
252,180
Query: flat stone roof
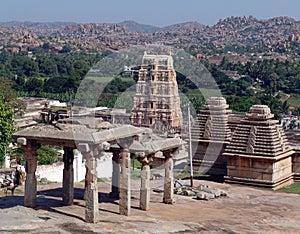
75,133
154,146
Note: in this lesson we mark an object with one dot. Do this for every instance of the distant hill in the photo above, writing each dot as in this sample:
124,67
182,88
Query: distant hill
236,34
184,26
36,25
132,26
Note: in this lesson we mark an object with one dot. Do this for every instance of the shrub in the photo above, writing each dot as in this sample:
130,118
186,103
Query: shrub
46,155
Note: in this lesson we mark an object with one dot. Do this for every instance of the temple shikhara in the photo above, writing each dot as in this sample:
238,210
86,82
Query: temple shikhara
258,153
157,102
210,135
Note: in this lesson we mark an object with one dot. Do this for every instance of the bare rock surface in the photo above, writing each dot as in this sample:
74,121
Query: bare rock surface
243,210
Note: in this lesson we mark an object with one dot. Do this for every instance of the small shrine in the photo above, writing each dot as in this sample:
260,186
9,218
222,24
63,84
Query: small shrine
210,135
258,153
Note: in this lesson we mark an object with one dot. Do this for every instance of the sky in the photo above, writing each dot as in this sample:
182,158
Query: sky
154,12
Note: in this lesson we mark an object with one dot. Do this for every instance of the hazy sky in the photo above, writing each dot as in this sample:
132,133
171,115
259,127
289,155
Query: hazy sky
155,12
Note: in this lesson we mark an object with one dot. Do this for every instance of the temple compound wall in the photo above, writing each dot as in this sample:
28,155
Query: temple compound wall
157,102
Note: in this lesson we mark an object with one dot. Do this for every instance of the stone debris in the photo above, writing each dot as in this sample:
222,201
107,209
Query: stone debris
44,180
156,176
201,192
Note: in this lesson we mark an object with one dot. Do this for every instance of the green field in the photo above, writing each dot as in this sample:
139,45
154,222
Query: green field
294,101
293,188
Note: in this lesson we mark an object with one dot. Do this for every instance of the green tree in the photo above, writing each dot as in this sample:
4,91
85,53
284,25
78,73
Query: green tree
6,126
46,155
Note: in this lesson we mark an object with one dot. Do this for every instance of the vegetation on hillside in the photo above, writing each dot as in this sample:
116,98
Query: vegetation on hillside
58,75
8,105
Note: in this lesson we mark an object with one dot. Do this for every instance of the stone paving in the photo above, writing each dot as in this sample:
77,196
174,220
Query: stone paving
244,210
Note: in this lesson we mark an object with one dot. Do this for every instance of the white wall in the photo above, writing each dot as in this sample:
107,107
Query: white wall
54,172
51,172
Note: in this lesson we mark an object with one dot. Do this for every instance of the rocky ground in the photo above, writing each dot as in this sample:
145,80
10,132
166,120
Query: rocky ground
244,210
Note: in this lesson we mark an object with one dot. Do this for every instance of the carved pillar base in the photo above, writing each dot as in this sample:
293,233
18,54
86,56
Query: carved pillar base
30,191
125,193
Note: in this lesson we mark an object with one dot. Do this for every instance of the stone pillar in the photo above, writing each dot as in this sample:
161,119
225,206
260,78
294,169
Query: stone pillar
169,180
115,183
30,149
145,185
125,193
91,189
68,176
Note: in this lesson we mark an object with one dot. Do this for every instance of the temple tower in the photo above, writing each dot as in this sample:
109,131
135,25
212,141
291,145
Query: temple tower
258,153
210,135
157,102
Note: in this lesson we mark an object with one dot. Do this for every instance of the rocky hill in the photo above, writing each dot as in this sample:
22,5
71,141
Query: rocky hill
132,26
276,35
188,26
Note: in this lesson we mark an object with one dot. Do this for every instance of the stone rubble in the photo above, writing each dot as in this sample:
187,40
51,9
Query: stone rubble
201,192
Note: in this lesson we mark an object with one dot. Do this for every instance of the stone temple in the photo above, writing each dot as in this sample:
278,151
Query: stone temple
258,153
210,135
157,102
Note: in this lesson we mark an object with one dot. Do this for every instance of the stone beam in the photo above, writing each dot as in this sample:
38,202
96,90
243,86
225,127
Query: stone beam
125,193
68,176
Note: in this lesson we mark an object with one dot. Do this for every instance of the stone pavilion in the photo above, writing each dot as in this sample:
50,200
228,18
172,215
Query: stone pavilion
120,141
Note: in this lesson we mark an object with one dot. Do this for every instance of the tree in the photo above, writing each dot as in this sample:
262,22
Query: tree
6,127
46,155
9,104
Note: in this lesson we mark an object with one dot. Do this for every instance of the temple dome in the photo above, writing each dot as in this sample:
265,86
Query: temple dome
260,112
216,102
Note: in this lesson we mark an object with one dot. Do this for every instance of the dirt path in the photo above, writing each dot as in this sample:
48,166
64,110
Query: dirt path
245,210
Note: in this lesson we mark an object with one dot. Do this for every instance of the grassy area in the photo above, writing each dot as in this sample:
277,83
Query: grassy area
294,100
99,79
104,179
293,188
17,191
136,174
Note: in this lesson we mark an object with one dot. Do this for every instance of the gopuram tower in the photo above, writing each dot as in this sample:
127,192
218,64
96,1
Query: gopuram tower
157,102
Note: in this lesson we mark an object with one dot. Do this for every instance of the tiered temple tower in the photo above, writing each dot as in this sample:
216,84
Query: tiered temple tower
258,153
210,135
156,102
